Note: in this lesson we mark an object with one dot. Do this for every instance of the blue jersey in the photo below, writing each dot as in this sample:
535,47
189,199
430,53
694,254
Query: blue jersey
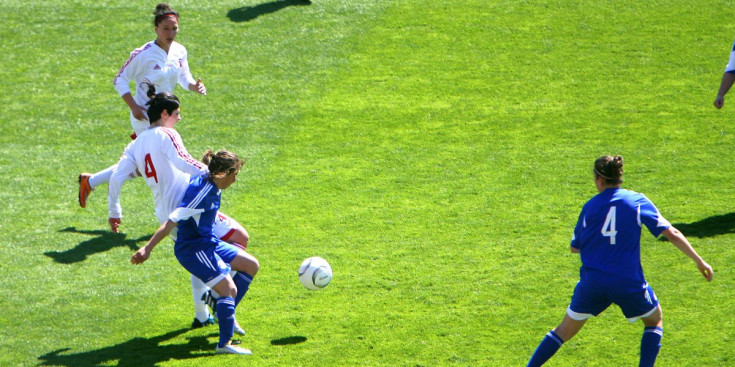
608,234
196,213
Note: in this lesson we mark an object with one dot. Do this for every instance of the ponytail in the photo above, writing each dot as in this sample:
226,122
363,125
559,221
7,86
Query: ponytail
222,163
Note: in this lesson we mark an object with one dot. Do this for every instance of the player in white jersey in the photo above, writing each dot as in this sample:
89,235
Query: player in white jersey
161,157
162,63
728,78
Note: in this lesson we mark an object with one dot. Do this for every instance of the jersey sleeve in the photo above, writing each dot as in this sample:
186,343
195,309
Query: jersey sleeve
730,68
649,215
577,230
183,213
125,167
177,154
185,77
127,73
193,204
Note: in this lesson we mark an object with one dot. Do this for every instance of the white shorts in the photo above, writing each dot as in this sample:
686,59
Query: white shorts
139,125
224,227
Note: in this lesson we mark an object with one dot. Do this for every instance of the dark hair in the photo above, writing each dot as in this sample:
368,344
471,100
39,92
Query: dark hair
221,163
610,168
162,11
159,102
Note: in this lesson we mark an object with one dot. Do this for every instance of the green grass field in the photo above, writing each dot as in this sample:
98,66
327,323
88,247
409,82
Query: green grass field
436,153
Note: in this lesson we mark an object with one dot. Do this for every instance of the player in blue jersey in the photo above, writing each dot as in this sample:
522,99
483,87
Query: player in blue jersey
728,78
201,252
607,237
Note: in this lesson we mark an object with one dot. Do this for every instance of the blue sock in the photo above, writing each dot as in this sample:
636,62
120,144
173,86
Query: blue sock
226,317
650,345
546,349
242,282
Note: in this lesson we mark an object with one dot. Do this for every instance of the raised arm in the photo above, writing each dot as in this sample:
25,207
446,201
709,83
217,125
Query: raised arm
678,240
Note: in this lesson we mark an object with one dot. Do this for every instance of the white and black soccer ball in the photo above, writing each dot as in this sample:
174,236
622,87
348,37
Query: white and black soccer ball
315,273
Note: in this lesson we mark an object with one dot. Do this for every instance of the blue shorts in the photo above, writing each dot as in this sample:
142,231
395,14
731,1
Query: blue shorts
208,263
591,298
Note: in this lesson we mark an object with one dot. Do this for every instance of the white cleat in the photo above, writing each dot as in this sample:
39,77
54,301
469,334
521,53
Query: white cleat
233,349
238,329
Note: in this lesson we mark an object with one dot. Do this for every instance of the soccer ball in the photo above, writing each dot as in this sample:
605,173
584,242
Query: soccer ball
315,273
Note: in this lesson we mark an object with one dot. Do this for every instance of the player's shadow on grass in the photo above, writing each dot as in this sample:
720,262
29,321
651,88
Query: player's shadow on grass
289,340
136,352
248,13
707,227
104,241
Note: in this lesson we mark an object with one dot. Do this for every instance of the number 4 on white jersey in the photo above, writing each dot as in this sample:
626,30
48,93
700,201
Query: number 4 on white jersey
608,229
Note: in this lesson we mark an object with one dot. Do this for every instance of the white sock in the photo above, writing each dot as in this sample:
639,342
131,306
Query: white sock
101,177
200,307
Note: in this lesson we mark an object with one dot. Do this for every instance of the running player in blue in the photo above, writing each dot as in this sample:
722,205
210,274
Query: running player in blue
728,78
607,237
201,252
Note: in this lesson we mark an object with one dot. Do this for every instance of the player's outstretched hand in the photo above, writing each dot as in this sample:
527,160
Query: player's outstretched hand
114,224
199,87
141,255
719,102
706,270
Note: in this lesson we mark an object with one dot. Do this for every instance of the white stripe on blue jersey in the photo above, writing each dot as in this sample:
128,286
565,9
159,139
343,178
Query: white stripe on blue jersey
201,195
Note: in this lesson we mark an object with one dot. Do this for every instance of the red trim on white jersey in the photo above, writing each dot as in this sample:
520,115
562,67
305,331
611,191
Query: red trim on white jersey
133,54
182,152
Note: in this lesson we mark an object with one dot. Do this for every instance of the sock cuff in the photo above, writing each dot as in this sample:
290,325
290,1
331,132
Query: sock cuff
654,329
225,300
248,277
552,335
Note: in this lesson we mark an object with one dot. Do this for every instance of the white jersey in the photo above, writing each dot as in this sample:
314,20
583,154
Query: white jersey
151,64
160,156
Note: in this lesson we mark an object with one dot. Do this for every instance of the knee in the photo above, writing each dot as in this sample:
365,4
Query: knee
232,291
244,236
228,289
655,319
239,237
255,266
246,263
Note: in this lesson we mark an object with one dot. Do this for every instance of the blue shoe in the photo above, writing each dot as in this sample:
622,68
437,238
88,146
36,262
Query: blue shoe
196,324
